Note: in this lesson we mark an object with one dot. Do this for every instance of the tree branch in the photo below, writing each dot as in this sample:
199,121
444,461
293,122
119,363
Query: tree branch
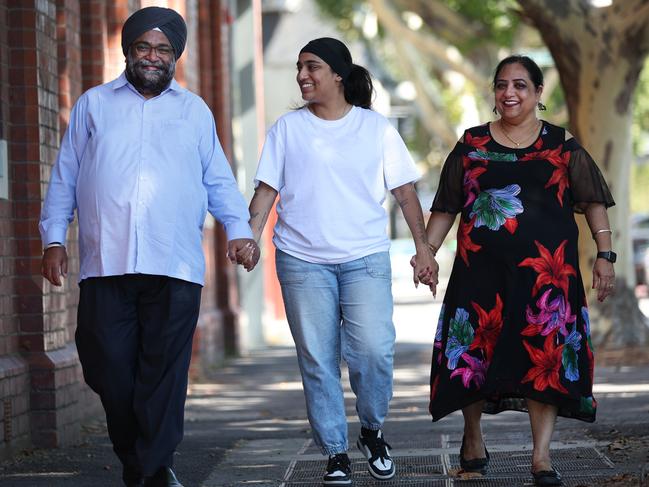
632,13
431,116
427,44
445,22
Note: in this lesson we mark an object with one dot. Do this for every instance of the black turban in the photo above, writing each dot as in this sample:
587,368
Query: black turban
167,20
334,53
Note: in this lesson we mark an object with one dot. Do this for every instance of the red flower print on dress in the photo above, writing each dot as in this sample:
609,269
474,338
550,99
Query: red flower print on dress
489,326
479,143
511,224
471,186
547,362
464,242
538,144
560,162
550,267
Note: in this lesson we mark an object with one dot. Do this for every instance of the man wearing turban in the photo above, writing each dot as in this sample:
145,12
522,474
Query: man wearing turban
141,164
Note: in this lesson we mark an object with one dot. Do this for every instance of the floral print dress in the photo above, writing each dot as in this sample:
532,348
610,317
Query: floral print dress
514,322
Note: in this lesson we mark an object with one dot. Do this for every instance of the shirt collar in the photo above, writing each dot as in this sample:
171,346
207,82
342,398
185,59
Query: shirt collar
121,81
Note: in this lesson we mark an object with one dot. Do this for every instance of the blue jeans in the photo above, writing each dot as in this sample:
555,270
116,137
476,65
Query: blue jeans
333,309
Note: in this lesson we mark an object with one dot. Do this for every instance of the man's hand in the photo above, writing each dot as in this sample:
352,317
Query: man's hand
55,265
244,251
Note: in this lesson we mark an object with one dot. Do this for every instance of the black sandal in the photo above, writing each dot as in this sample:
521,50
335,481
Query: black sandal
547,478
475,465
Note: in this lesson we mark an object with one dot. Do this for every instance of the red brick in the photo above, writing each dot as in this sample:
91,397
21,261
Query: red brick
43,400
23,57
31,323
25,210
23,151
26,191
45,438
23,95
21,114
26,228
42,380
28,266
28,304
32,342
25,38
22,76
24,133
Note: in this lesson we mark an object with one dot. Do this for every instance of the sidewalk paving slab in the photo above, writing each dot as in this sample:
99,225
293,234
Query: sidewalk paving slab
247,427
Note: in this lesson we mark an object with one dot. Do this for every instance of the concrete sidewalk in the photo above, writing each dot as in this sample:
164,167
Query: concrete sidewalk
248,427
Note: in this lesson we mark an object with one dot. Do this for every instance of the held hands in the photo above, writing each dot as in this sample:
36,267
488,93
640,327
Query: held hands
244,251
55,265
425,269
603,278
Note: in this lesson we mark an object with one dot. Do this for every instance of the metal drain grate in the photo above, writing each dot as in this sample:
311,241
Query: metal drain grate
396,445
580,467
586,481
370,482
568,460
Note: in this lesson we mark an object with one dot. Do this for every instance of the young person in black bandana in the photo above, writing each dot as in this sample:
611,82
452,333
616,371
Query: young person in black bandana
331,162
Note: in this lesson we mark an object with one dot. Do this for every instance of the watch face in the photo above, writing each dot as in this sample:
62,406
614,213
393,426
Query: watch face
609,255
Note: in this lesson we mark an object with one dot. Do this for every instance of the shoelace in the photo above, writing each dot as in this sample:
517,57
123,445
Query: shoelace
338,462
378,446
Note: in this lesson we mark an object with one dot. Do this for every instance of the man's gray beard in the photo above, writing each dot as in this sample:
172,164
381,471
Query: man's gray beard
149,82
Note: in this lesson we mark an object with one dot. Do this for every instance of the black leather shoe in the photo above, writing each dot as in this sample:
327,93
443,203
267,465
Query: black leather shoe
132,477
134,482
547,478
475,465
164,477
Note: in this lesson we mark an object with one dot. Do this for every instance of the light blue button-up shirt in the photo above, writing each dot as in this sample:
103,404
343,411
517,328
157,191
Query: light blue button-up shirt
142,175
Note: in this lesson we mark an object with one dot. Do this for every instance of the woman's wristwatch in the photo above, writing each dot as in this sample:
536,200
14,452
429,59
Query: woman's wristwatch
607,255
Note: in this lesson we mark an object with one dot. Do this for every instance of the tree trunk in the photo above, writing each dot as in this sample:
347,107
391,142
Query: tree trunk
599,53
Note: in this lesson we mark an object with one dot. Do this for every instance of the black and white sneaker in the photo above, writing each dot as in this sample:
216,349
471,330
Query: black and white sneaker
339,471
377,452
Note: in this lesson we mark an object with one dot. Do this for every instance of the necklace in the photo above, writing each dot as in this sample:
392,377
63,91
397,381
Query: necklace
518,144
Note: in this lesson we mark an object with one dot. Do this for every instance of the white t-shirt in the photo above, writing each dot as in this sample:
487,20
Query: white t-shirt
332,176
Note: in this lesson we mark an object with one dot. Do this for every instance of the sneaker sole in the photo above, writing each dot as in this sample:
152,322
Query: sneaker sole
337,482
368,454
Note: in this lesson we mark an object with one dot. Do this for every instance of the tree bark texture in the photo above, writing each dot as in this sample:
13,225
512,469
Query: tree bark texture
599,53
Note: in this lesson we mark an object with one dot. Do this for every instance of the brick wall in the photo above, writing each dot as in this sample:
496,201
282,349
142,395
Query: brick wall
50,52
14,369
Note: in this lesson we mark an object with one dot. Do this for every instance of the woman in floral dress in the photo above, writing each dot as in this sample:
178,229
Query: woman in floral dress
513,333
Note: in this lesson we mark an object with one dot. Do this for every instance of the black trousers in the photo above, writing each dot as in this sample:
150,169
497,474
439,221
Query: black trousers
134,338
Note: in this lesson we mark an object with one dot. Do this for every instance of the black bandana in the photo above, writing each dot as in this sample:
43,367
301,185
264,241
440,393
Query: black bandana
167,20
334,53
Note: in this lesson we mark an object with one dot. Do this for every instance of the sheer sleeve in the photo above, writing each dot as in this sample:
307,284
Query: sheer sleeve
449,197
587,185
